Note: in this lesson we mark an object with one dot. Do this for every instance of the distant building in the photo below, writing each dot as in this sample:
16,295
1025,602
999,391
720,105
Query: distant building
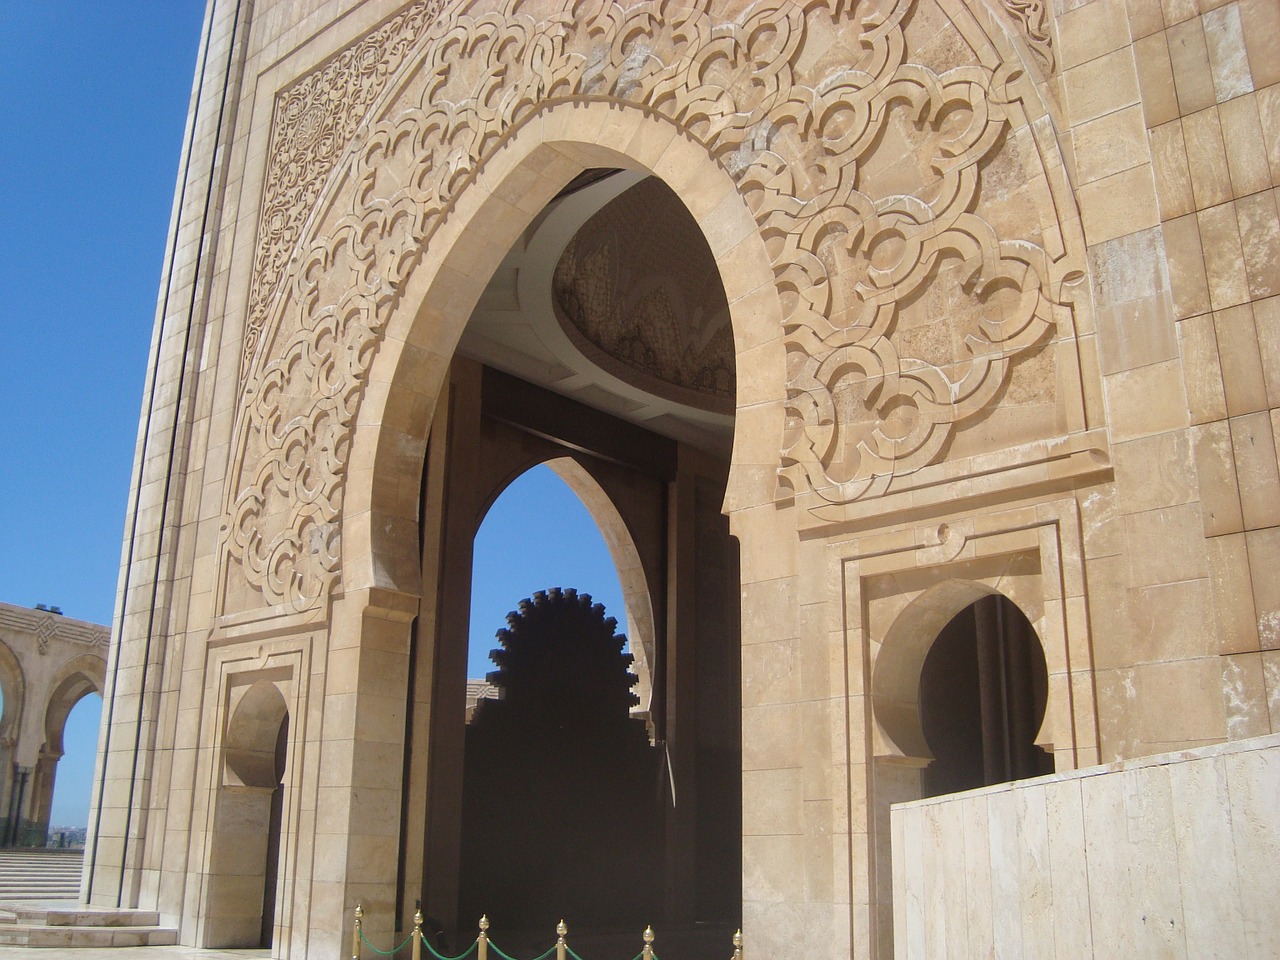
67,836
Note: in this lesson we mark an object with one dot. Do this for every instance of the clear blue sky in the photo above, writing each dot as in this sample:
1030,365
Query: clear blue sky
95,96
536,535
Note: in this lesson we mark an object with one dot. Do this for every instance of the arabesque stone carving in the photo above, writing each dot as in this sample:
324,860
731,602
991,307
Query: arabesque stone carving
1033,18
798,129
645,300
313,123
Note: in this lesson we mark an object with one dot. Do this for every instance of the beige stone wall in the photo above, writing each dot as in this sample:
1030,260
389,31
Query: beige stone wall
1160,84
1173,855
1014,334
1209,92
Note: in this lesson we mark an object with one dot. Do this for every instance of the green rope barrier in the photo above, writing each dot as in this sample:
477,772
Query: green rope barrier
499,951
502,954
440,956
506,956
385,953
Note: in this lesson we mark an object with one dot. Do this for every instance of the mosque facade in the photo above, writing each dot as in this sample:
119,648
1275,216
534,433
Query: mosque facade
919,360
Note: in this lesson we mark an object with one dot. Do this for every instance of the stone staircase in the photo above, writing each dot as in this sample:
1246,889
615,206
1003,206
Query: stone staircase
39,874
39,890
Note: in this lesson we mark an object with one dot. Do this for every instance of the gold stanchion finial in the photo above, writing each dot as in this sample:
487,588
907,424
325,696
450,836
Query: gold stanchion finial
417,931
482,941
737,945
647,952
355,935
561,931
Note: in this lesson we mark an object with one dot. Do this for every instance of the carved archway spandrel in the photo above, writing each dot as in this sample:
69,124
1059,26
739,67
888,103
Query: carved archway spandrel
862,167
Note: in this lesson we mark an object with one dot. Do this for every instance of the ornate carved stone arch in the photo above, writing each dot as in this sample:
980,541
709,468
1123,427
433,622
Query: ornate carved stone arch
880,149
535,161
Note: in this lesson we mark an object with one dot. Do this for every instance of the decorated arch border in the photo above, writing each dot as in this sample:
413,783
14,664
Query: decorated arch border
791,135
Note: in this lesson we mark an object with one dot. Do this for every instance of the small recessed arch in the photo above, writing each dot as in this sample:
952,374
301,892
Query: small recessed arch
252,736
895,683
983,693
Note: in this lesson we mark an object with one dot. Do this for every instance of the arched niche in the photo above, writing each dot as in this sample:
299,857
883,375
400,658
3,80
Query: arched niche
895,681
250,746
984,687
242,876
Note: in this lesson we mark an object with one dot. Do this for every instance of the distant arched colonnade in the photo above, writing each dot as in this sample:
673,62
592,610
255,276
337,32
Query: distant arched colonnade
48,664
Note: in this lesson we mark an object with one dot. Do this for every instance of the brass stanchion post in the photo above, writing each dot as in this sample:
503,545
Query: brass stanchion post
482,941
417,932
561,930
737,946
647,952
355,934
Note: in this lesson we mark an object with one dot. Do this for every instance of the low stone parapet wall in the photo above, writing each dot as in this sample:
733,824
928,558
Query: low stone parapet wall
1173,855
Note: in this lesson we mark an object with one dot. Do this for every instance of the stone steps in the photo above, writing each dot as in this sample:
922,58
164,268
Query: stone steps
40,874
38,908
80,915
38,935
77,925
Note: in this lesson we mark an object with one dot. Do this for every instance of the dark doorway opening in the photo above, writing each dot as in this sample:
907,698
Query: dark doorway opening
603,339
983,692
668,496
273,838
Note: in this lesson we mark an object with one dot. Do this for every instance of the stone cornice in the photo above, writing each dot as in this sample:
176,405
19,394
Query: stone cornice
44,625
